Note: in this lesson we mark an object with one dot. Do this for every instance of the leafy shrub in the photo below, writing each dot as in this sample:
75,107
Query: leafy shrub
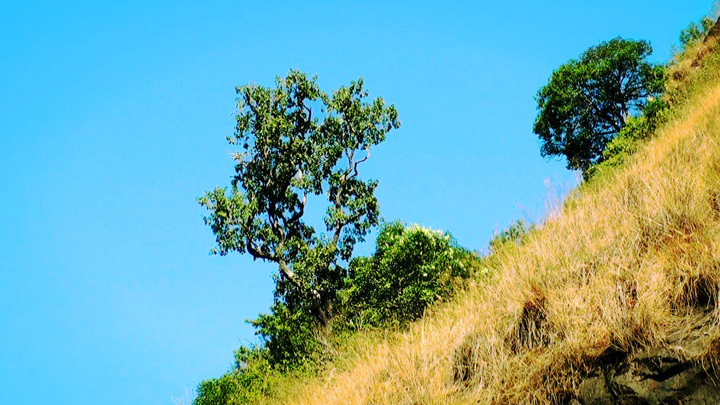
412,267
246,383
288,336
221,390
622,146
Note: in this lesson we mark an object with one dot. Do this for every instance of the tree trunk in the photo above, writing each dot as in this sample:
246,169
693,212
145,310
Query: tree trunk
322,309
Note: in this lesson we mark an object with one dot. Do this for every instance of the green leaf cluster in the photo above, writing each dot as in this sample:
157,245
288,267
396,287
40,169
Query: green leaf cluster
626,143
411,268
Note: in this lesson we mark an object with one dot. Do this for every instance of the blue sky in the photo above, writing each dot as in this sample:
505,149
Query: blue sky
113,122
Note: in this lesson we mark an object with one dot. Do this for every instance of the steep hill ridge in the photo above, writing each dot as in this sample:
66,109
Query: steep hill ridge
613,300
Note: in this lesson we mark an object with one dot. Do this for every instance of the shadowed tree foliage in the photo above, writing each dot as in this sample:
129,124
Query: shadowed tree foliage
295,142
588,101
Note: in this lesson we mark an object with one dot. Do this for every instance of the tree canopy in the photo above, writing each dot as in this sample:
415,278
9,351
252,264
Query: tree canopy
588,101
295,142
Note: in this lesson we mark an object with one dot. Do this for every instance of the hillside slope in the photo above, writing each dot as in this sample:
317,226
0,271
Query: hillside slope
614,298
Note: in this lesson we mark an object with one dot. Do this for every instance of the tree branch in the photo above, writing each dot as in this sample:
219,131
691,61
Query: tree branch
297,215
350,154
355,166
273,218
309,111
599,112
289,275
257,253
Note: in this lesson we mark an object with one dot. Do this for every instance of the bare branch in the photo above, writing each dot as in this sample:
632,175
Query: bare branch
350,154
257,253
355,166
286,272
289,275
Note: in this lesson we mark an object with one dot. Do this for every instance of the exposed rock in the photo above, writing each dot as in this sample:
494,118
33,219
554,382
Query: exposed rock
655,378
714,32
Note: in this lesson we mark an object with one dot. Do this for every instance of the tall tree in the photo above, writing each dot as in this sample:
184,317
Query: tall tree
297,142
588,101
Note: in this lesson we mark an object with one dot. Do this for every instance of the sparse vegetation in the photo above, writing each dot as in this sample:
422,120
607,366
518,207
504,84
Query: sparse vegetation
514,235
695,31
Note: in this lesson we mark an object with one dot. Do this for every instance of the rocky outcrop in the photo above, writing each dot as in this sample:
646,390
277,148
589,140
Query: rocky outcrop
653,378
714,32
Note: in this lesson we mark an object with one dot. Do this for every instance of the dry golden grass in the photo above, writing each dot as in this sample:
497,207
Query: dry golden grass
684,66
630,262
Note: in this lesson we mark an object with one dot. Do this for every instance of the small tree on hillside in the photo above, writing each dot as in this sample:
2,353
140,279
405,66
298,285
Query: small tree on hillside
297,141
588,101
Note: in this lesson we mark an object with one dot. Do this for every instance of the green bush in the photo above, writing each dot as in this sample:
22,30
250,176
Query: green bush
289,344
622,146
247,383
288,336
412,267
216,390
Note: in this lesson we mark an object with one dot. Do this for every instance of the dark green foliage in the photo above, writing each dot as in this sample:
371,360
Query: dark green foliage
636,130
695,31
412,267
639,128
588,101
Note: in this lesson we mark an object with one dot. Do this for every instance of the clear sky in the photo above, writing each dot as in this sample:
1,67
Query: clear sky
113,117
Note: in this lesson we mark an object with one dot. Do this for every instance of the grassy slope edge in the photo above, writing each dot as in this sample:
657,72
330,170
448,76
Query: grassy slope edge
630,262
